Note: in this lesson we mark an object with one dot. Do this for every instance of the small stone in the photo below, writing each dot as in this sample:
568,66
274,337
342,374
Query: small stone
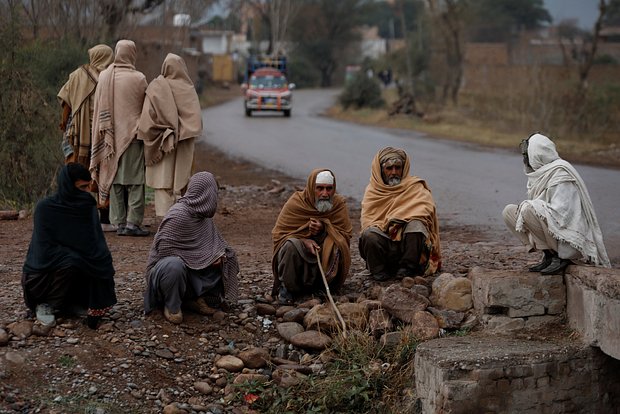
173,409
229,363
21,329
164,353
15,358
289,329
265,309
311,340
4,337
254,357
203,387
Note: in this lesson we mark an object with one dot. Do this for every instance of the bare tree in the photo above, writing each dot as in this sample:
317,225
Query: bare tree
449,17
282,12
582,54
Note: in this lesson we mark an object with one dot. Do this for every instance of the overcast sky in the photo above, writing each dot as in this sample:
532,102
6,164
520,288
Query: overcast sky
585,11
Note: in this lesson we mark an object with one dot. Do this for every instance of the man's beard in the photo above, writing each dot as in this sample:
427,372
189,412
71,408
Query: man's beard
392,181
323,205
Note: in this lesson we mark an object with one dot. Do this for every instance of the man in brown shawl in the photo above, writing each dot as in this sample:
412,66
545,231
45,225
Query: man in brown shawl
190,264
170,122
76,100
313,221
400,231
117,162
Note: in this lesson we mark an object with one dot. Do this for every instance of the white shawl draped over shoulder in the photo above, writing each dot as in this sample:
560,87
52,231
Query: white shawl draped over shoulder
557,193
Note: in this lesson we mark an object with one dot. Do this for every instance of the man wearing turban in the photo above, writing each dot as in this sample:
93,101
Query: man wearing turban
400,231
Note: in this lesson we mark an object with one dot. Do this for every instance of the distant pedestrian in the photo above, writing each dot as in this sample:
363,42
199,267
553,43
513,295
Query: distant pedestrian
190,264
68,266
117,160
76,99
170,123
558,217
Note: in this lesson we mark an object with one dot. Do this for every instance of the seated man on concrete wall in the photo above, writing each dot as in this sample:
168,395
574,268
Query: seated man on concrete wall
313,222
558,217
400,231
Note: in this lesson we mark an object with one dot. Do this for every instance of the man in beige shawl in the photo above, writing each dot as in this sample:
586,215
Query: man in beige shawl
400,231
313,222
558,217
76,100
170,122
117,162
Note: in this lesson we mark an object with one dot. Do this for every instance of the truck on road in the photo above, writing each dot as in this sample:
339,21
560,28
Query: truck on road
266,87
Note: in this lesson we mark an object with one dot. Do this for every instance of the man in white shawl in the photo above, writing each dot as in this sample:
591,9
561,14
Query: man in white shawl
171,121
558,217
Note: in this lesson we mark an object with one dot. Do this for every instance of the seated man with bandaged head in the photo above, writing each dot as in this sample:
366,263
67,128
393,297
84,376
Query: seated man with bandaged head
313,222
400,231
558,217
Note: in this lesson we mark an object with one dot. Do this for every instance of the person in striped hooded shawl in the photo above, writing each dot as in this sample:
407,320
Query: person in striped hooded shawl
190,265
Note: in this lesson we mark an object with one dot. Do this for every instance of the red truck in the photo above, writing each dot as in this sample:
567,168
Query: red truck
266,87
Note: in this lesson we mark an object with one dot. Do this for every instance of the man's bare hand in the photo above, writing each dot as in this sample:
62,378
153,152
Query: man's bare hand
311,246
315,226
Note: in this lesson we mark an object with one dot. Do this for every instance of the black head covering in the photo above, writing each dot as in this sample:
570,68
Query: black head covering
67,233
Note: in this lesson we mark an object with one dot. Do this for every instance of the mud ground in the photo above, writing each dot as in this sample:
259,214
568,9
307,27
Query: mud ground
137,364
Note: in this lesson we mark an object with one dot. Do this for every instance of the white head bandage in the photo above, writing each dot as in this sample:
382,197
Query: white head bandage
324,177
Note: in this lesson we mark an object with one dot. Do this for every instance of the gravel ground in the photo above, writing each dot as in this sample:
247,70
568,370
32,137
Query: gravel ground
141,364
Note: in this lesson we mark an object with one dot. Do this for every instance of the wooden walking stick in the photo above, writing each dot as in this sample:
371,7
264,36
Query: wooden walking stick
329,295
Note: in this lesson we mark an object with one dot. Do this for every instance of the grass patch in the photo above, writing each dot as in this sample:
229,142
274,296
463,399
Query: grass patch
66,361
362,376
455,124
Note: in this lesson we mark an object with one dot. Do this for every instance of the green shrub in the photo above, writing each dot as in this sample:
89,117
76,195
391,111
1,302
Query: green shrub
30,76
361,92
302,73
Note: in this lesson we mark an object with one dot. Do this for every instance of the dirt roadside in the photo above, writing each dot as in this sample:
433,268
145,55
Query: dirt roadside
138,364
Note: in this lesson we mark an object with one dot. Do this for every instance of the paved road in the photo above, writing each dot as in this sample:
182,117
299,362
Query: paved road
470,184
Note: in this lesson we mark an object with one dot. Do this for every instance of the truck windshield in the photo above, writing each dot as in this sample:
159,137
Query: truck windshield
261,82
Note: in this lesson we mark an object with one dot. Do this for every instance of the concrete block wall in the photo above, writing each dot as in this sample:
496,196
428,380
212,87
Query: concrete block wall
593,306
491,372
515,300
495,375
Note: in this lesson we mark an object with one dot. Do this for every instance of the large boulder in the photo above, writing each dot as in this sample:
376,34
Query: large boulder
402,303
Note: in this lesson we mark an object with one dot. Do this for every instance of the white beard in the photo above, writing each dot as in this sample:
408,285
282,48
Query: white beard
392,181
323,205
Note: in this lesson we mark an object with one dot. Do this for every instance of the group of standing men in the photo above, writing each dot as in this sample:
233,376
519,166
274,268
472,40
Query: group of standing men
141,132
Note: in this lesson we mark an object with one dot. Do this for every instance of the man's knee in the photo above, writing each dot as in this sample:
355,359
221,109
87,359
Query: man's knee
370,239
509,214
170,269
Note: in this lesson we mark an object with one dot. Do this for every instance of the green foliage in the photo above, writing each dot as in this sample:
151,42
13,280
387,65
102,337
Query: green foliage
386,16
322,32
66,361
605,59
498,20
302,72
361,92
362,377
30,76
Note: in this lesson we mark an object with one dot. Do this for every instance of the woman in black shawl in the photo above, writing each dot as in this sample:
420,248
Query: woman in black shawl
68,265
